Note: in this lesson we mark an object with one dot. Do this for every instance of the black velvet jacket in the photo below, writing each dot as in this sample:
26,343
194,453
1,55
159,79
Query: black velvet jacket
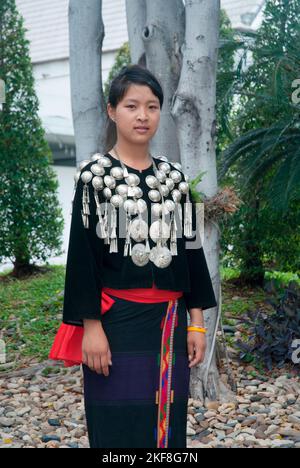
90,266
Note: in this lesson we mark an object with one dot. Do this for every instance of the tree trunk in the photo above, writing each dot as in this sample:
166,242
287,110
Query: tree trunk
86,31
156,32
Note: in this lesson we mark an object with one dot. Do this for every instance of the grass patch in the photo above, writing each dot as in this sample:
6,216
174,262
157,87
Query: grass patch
30,313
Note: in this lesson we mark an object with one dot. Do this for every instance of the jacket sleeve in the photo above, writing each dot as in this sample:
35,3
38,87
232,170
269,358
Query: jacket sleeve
202,293
82,294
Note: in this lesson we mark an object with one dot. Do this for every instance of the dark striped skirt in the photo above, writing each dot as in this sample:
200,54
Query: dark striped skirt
143,402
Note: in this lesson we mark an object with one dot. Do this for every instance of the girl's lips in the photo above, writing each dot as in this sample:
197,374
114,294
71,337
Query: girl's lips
141,130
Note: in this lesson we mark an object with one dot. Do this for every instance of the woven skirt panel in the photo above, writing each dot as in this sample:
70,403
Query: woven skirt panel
143,402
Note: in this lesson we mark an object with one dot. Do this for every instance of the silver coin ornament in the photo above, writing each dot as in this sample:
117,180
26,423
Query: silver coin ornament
165,190
86,177
170,205
97,169
97,183
83,163
165,167
175,176
132,180
183,187
136,192
163,158
97,156
122,189
170,183
161,176
107,193
159,229
117,173
109,181
154,195
116,201
156,209
130,206
152,181
141,205
139,255
176,195
177,165
160,256
104,161
139,230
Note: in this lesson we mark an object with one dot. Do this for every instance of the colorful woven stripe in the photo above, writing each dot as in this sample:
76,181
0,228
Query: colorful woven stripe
165,394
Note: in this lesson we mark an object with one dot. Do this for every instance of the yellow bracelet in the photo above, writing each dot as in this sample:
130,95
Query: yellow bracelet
199,329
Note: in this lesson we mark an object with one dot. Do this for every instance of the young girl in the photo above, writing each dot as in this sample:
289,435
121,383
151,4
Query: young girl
134,270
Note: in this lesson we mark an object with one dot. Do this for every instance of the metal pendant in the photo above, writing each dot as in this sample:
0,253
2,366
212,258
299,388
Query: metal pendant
83,163
165,190
135,192
176,195
117,173
156,209
122,190
154,195
163,158
152,181
164,166
132,180
104,161
170,183
161,176
141,205
139,255
86,177
170,205
97,183
107,193
175,176
139,230
116,201
159,230
161,256
97,169
130,206
109,181
97,156
183,187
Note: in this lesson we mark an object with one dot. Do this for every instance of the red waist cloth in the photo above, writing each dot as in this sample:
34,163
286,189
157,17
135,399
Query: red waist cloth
68,340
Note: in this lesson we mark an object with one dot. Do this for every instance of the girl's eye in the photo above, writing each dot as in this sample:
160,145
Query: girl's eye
132,105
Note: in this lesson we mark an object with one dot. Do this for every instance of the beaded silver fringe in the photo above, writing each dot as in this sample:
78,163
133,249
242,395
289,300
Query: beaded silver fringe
188,217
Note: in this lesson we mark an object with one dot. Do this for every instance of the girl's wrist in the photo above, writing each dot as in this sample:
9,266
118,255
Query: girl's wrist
196,317
91,324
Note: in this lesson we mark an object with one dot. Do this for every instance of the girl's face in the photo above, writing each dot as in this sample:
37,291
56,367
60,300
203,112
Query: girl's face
138,108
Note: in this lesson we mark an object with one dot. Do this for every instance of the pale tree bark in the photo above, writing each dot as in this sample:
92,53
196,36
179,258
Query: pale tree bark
156,31
86,33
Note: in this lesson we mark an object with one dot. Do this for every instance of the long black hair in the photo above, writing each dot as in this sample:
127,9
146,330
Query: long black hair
128,75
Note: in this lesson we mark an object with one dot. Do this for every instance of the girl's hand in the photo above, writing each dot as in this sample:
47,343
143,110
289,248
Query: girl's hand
196,342
95,347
